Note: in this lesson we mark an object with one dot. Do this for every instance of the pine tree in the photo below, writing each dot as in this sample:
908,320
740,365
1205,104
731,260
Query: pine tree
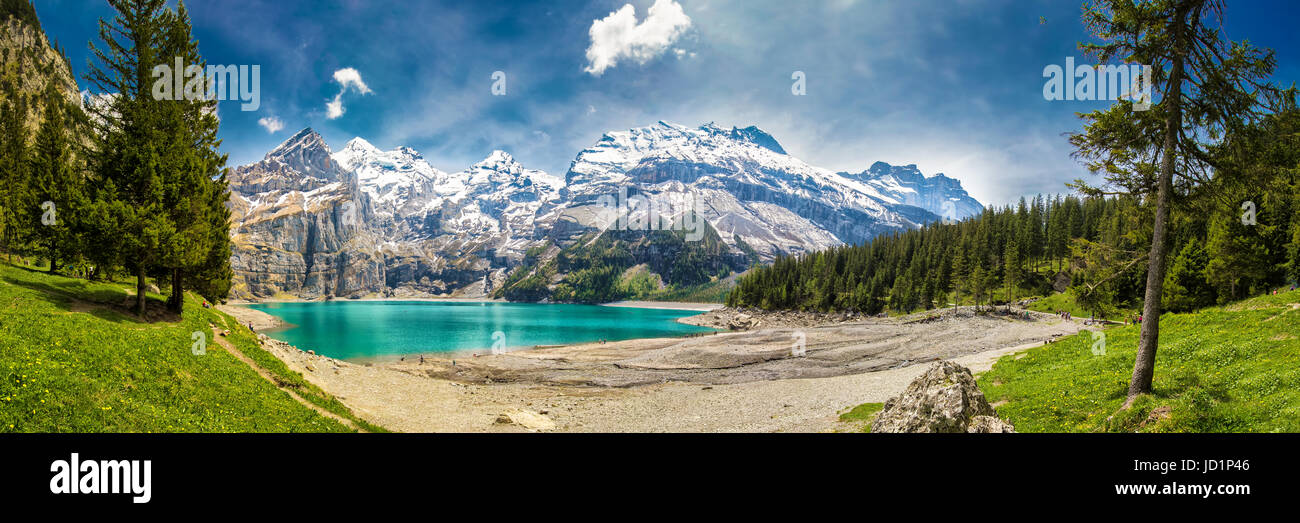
1186,286
55,189
193,184
130,146
1013,276
1236,257
977,285
1207,86
14,167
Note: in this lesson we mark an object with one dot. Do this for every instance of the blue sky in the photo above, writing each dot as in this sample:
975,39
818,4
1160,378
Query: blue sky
952,86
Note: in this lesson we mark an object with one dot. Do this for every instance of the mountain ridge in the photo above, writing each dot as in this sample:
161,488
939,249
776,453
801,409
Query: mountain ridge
311,222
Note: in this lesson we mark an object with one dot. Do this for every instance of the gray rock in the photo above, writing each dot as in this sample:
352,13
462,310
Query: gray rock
989,425
945,399
1061,282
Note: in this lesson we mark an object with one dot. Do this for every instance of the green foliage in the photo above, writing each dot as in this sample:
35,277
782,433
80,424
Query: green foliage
711,292
638,284
246,341
72,361
1171,152
593,267
862,415
992,258
23,10
15,168
1186,287
155,190
1065,302
1225,369
54,193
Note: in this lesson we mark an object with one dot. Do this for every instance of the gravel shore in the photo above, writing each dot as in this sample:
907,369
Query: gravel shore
730,382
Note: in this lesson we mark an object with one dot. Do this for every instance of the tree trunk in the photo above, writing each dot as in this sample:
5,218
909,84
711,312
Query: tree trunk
139,290
1145,364
54,262
176,303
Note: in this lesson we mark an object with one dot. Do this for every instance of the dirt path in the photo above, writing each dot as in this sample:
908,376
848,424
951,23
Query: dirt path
265,374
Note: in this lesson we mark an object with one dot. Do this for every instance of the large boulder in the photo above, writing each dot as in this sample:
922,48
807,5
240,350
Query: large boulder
944,399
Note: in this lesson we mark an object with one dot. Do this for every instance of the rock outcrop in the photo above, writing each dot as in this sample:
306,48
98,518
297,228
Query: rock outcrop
945,399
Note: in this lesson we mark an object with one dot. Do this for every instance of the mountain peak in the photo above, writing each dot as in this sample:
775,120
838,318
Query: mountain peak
497,159
307,153
756,136
360,144
906,184
307,138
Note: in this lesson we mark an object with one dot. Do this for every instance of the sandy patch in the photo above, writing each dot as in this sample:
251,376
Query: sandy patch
729,382
260,321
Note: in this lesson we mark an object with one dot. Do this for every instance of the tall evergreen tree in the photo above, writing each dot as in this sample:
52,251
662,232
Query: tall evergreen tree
1013,273
130,145
14,166
1186,285
1207,87
193,184
55,187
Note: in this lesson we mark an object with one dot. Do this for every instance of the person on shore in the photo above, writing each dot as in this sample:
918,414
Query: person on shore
421,359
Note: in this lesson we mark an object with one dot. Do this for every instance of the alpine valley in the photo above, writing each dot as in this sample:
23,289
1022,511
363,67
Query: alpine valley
313,223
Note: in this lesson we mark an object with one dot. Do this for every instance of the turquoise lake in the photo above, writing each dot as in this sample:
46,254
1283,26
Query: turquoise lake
360,330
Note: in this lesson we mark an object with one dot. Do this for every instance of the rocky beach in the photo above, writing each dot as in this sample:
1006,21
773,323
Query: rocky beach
750,380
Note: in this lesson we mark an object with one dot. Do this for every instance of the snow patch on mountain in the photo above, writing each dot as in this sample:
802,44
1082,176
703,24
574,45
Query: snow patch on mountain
364,220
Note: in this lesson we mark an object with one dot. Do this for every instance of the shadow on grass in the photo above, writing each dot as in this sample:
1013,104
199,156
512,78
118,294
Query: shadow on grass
109,304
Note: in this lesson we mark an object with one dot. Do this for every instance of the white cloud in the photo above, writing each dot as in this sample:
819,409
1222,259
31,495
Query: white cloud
347,78
271,123
618,36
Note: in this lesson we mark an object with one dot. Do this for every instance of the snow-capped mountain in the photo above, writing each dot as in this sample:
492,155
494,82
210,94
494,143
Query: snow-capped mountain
750,187
399,182
906,185
363,221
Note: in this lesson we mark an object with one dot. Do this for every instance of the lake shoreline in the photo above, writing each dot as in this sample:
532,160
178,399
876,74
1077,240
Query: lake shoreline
258,320
346,300
619,322
636,304
666,305
732,381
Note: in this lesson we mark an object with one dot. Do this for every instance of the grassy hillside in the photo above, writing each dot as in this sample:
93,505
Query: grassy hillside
1065,302
73,361
1223,369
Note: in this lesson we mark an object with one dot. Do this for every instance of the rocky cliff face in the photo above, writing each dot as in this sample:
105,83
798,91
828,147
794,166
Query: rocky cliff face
301,226
314,223
28,62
